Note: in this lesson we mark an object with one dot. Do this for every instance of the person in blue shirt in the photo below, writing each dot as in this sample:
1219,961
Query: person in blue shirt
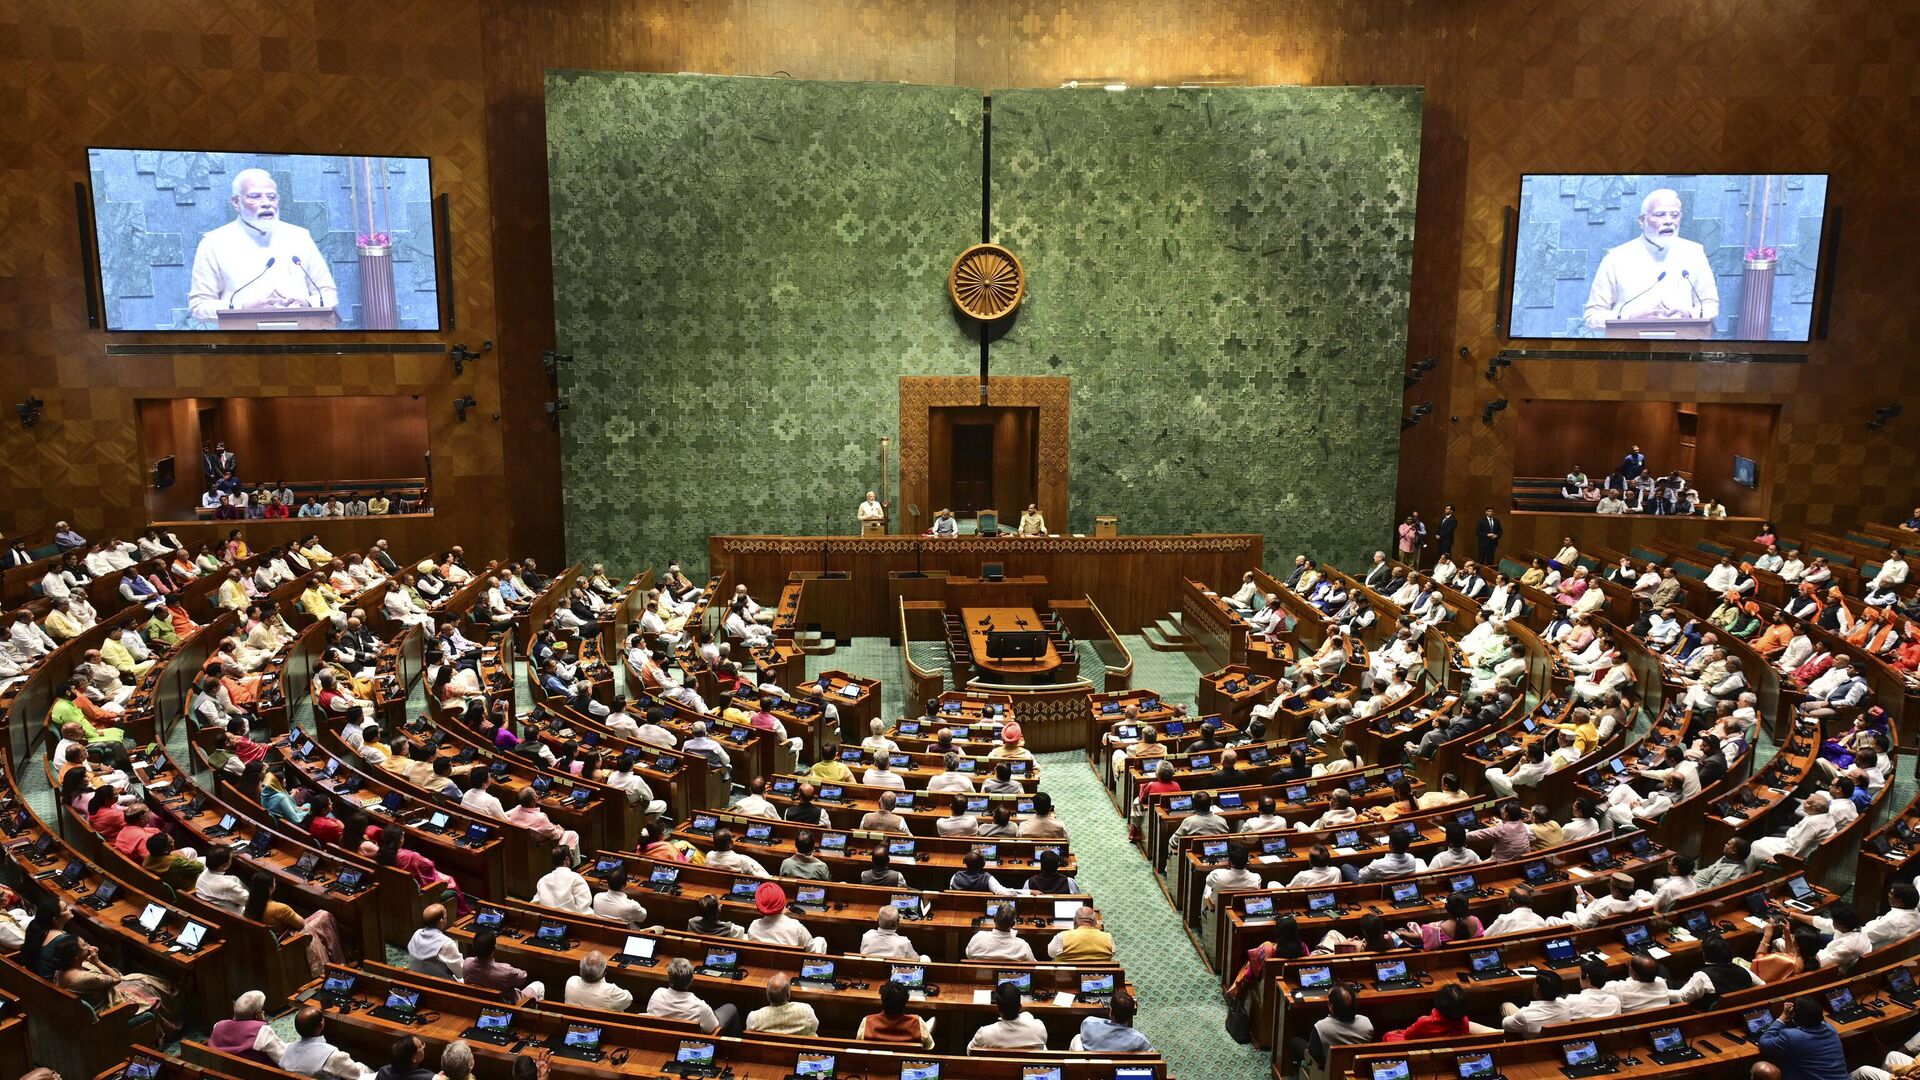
1114,1032
1802,1044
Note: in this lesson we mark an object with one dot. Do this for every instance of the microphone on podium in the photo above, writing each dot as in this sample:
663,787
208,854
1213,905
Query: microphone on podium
313,287
234,298
1697,302
1623,304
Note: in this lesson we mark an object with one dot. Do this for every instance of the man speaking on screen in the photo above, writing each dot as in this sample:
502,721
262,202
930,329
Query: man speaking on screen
1656,275
258,260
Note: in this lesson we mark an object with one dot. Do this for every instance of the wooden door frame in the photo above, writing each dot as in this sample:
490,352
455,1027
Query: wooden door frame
1050,395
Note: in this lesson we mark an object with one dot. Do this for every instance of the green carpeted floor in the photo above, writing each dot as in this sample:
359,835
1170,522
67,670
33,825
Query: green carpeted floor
1181,1007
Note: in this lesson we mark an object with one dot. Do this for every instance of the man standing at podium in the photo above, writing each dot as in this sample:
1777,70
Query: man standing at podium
258,260
1656,275
872,512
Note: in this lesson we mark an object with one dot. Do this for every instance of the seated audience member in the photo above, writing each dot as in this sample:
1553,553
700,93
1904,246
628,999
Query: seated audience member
591,988
1000,942
885,938
893,1023
1086,943
1448,1019
783,1015
1545,1008
1643,988
313,1055
803,863
1050,880
1016,1029
1114,1032
1801,1042
486,971
677,1001
247,1034
775,926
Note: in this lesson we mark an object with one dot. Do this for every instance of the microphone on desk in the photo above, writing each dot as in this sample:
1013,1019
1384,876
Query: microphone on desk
233,298
1617,312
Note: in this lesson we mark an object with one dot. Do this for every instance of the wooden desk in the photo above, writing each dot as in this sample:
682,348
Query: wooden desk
1027,590
960,1007
1219,629
640,1045
1233,691
983,622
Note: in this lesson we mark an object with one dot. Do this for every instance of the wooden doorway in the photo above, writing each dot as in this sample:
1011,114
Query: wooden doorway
983,457
1025,461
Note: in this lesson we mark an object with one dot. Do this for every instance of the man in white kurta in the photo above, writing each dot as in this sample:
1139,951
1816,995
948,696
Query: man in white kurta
1656,275
230,267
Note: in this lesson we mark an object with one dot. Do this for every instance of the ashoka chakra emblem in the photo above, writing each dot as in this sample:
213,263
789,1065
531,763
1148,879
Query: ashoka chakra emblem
987,281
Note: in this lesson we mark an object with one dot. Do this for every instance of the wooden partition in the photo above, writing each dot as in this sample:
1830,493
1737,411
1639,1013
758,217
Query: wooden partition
1134,579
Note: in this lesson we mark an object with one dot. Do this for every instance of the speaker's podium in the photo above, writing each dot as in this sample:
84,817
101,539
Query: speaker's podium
278,318
1660,329
873,528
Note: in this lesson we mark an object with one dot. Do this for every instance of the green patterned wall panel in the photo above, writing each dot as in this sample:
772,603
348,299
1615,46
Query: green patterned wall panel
1224,275
743,268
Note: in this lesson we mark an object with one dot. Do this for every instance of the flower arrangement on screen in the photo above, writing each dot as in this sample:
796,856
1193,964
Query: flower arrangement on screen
1759,253
381,239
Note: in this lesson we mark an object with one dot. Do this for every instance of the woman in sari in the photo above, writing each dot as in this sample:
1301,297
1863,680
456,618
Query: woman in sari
235,549
1867,732
1459,925
81,972
205,561
456,687
392,851
323,942
655,845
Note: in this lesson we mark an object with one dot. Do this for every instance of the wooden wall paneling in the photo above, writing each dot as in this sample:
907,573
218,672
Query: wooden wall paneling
1557,85
403,78
326,438
1726,430
1134,579
1552,436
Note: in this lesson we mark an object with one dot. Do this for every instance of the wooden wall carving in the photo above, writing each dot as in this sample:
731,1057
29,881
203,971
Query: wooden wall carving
1051,396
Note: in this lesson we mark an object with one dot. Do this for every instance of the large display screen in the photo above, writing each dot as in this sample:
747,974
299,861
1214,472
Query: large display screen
204,240
1638,256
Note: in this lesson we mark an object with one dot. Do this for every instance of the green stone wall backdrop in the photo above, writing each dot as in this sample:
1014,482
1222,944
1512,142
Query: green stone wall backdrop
1224,275
743,268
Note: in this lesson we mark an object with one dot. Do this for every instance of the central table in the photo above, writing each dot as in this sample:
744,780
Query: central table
982,621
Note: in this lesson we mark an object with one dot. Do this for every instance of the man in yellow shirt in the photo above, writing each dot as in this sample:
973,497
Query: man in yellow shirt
121,658
322,602
1586,735
233,594
830,769
1086,943
378,504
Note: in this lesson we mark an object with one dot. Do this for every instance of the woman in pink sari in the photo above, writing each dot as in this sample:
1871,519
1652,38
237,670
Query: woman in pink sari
390,850
1459,925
